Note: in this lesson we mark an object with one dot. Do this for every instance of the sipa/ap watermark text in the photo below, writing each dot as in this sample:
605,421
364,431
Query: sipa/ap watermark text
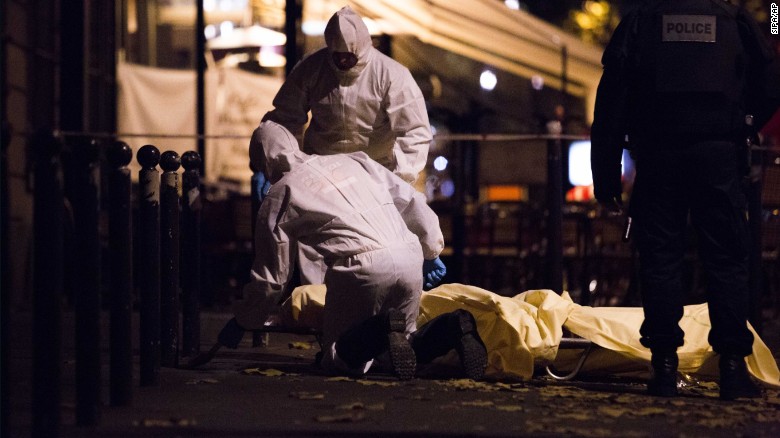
773,18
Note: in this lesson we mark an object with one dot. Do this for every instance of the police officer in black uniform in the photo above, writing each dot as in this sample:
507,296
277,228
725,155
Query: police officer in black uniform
679,78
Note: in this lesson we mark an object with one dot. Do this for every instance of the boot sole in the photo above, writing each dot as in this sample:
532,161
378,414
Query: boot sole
402,355
473,356
471,349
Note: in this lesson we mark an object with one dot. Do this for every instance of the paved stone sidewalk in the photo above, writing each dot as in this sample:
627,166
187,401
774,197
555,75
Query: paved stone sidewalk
277,391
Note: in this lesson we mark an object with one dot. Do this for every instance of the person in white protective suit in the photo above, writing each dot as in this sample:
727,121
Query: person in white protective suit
360,100
373,230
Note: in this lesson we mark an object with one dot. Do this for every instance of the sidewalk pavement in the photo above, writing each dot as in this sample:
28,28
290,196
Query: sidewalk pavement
276,391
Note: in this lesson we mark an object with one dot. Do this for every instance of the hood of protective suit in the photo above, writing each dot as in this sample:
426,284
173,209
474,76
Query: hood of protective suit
281,150
346,32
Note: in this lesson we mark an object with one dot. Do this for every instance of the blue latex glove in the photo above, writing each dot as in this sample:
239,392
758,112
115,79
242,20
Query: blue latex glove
260,186
231,334
266,188
433,272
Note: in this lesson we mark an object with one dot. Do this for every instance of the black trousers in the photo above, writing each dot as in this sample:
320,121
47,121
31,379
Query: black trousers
702,180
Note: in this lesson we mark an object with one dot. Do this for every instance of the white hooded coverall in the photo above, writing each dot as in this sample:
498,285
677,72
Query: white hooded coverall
375,107
372,229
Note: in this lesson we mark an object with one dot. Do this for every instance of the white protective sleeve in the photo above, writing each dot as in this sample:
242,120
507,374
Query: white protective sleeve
375,107
274,255
418,216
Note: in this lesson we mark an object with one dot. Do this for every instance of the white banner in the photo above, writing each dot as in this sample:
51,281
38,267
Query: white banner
242,100
159,102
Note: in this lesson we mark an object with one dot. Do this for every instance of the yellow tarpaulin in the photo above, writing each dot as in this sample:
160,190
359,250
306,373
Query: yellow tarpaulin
524,331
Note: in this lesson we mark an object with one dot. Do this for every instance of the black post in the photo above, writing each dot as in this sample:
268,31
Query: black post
121,262
48,285
554,212
5,273
292,13
200,86
149,269
459,212
191,253
169,259
86,210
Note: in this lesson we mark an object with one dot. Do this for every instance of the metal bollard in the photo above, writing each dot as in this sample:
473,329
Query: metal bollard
86,210
169,260
191,253
456,268
149,269
48,254
5,281
554,210
121,263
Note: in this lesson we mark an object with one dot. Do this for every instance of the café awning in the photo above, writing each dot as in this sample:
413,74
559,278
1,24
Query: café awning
487,31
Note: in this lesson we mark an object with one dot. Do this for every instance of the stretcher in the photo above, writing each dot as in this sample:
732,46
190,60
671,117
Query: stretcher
525,333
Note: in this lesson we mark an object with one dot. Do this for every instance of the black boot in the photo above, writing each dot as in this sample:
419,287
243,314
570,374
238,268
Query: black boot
663,382
455,330
374,336
735,381
401,353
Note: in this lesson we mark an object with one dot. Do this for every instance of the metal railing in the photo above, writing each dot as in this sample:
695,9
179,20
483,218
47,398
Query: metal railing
169,222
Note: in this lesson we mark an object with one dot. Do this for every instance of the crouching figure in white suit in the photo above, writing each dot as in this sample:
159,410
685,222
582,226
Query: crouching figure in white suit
374,232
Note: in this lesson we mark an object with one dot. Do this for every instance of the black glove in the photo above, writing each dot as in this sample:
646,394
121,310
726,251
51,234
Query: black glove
613,206
231,334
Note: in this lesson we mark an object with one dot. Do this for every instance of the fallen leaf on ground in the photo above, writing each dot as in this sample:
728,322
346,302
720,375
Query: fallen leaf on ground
376,383
305,395
514,387
612,412
350,417
768,417
743,408
716,423
339,379
510,408
462,384
201,381
650,411
299,345
580,416
270,372
170,422
709,385
625,399
479,403
560,391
